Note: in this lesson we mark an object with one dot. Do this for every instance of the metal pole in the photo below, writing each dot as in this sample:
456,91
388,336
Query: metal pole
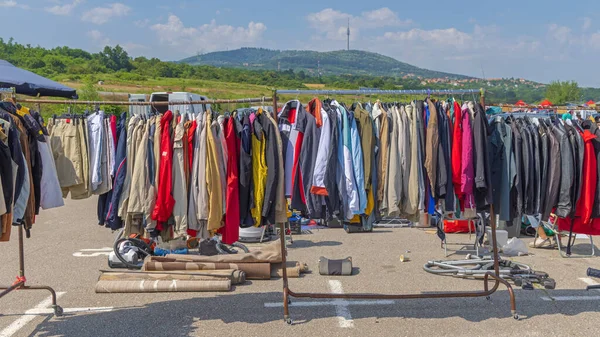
213,101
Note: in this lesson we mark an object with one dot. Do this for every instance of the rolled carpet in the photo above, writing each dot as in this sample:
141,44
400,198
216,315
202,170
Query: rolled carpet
235,276
156,286
254,271
294,269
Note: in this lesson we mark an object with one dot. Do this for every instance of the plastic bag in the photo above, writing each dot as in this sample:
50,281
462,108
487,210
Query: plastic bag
515,247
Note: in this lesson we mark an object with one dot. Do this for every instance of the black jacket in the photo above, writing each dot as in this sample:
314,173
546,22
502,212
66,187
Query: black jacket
272,159
567,176
483,188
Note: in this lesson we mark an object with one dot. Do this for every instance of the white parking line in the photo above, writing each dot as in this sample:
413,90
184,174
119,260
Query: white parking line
585,280
73,310
572,298
28,317
341,306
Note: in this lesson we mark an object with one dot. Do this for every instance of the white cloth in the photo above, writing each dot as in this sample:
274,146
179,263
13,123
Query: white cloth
322,153
95,123
51,194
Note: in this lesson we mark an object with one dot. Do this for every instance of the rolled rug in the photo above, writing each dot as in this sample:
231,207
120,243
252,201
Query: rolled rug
157,286
254,271
235,276
294,269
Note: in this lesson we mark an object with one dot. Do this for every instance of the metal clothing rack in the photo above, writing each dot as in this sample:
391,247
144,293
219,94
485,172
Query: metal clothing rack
20,281
287,292
19,284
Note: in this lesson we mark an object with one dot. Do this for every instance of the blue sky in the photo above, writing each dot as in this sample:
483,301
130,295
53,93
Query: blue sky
538,40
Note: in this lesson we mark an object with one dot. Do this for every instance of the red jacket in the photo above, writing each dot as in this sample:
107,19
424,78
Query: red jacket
457,149
583,222
231,230
164,201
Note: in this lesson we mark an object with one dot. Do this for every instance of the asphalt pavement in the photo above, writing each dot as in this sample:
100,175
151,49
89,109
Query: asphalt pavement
67,249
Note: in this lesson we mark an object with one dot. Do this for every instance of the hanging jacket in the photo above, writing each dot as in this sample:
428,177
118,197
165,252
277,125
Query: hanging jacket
321,161
330,177
231,230
195,179
457,148
179,190
381,116
367,142
259,171
404,147
286,120
213,175
395,178
351,188
272,159
217,131
165,202
503,167
468,172
517,196
432,145
552,187
420,136
203,199
483,188
585,204
358,164
412,205
112,219
564,205
243,129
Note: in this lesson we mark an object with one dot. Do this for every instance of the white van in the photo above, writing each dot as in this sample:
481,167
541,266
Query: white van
179,97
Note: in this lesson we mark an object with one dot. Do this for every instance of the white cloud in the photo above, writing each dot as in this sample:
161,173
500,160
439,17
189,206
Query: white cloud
99,38
561,34
13,4
131,47
208,37
142,23
65,9
332,24
101,15
587,24
451,37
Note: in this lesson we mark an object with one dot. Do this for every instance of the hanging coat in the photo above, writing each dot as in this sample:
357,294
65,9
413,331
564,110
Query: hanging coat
213,176
272,159
259,171
457,149
165,202
231,231
467,169
432,146
243,129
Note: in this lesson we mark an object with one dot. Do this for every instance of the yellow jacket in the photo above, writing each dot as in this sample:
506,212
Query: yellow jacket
259,171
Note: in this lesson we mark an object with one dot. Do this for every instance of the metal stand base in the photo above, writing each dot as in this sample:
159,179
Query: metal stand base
287,292
20,282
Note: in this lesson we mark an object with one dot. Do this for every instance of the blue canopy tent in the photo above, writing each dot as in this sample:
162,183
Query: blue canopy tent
27,83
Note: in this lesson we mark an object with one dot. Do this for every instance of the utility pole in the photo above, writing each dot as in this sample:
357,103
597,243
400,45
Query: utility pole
348,32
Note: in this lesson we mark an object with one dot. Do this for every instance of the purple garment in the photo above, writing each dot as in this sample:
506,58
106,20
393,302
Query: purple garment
252,118
467,175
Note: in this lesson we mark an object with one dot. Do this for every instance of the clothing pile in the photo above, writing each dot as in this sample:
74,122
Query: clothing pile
362,162
174,175
28,175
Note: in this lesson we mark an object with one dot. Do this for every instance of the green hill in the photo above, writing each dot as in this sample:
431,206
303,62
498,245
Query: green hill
342,62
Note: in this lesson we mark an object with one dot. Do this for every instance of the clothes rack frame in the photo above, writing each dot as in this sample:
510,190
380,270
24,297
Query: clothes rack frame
20,281
487,291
